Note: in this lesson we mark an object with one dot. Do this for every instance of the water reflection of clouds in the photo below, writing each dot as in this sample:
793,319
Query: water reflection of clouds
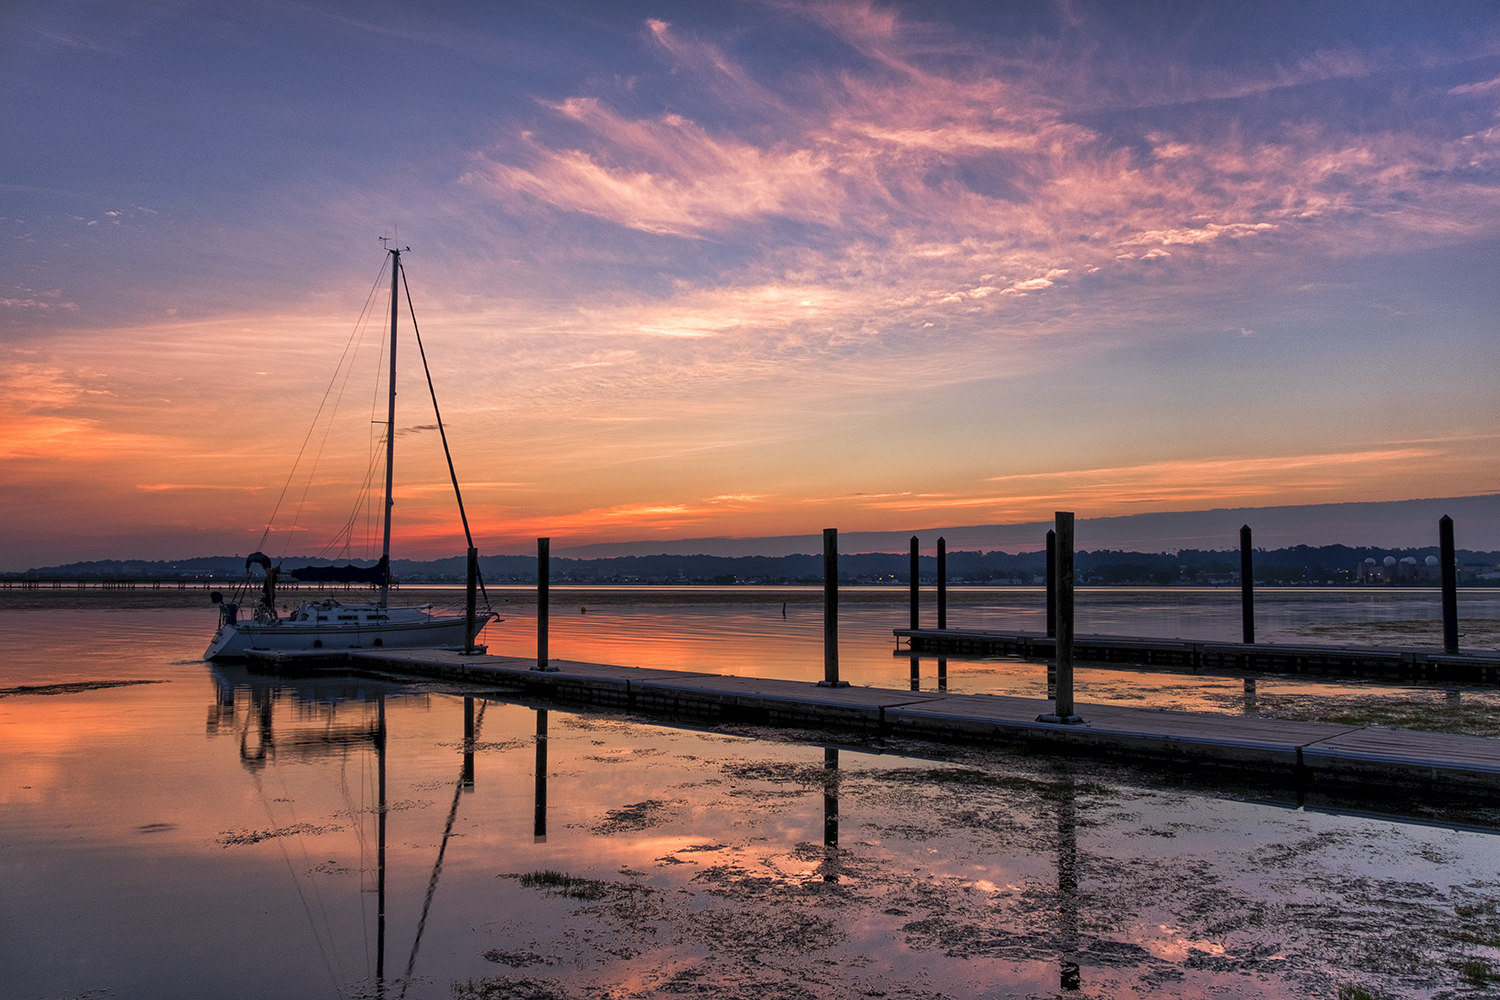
899,870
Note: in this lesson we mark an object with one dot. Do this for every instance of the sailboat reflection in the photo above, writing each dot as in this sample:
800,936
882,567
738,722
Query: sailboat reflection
262,742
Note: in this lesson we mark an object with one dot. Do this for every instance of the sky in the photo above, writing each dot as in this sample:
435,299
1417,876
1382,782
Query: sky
740,269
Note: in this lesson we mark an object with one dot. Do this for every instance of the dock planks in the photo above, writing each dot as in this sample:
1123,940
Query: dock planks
1315,752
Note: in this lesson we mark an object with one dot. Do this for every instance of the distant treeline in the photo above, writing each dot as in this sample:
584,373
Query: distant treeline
1298,564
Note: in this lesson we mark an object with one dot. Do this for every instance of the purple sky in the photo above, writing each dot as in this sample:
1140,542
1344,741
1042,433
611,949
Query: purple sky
690,270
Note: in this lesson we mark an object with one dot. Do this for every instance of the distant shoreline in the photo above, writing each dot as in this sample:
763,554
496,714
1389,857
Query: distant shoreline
564,596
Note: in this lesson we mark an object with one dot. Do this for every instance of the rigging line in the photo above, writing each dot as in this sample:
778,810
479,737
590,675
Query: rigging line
317,938
437,868
359,837
314,426
376,445
328,428
441,431
346,532
307,858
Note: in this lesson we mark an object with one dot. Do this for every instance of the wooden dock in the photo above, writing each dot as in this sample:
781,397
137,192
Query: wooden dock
1373,662
1316,754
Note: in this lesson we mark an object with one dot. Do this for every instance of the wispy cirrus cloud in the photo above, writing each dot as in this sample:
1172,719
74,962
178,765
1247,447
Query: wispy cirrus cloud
666,176
959,182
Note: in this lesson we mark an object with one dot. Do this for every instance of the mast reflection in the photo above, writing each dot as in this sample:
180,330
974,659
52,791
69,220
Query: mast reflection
380,742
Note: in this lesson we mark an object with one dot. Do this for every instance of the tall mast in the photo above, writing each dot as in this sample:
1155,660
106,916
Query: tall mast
390,434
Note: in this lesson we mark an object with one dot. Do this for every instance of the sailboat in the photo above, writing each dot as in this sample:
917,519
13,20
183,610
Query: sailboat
330,624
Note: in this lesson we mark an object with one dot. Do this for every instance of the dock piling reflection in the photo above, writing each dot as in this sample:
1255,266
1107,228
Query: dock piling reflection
830,814
1069,977
539,827
468,778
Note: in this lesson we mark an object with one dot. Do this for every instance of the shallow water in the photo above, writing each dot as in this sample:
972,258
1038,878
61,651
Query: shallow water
217,834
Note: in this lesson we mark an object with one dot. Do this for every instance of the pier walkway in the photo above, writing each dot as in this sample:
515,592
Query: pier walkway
1420,665
1324,754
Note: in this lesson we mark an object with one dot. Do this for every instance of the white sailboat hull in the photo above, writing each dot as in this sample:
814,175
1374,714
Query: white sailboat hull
405,628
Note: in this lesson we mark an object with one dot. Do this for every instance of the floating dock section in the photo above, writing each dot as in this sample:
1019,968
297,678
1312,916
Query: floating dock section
1412,665
1322,754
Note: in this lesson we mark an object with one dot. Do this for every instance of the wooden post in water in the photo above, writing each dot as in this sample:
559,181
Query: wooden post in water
1063,710
470,609
831,610
1051,584
1448,558
916,592
942,575
543,567
1247,586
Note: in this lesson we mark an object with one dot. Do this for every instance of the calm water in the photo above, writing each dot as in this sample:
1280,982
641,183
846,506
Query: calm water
218,834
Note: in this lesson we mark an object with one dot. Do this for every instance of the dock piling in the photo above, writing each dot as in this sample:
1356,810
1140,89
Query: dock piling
1247,585
1450,584
831,610
543,567
942,582
1063,540
470,608
1052,584
916,594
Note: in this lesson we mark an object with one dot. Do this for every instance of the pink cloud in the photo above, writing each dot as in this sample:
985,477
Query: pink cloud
881,159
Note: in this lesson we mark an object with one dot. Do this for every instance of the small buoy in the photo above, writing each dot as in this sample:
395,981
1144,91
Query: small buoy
583,611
